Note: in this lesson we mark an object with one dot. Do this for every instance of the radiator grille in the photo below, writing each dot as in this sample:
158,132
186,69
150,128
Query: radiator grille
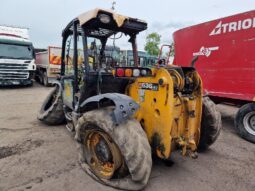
13,71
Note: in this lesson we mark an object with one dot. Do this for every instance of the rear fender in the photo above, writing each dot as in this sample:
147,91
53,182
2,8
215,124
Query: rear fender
125,106
58,83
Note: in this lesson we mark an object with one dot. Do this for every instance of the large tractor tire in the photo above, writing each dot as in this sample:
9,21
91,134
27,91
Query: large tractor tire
51,111
117,156
245,122
210,125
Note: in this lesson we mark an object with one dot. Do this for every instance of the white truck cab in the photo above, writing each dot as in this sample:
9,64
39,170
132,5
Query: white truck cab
17,57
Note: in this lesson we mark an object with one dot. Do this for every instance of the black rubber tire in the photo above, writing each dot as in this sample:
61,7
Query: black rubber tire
37,79
51,112
211,124
239,121
40,77
132,142
45,79
31,83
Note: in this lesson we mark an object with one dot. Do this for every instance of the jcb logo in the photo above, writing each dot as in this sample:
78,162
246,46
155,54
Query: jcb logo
149,86
233,26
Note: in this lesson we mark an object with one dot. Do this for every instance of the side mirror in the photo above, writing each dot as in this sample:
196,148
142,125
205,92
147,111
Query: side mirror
160,56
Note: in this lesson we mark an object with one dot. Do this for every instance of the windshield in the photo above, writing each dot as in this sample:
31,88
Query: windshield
111,55
117,52
13,51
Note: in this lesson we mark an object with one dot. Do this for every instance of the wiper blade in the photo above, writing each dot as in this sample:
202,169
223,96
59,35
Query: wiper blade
23,58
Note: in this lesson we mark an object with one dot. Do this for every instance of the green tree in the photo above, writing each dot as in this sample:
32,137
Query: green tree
152,44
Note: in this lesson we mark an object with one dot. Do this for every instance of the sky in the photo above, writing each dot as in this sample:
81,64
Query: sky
47,18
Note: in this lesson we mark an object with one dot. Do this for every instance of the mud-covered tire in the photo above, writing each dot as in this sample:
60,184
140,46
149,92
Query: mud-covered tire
210,124
132,143
245,122
51,111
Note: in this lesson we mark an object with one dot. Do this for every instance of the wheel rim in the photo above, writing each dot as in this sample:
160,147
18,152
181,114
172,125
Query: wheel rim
249,122
101,153
51,100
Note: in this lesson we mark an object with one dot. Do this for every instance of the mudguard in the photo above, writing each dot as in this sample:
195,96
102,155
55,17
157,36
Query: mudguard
58,83
125,106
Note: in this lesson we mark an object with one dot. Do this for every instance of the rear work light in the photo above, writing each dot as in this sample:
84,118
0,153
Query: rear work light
105,19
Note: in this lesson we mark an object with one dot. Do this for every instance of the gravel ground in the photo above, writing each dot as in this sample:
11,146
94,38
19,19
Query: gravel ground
36,157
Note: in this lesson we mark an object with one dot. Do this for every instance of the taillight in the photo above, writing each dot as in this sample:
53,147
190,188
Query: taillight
120,72
128,73
131,72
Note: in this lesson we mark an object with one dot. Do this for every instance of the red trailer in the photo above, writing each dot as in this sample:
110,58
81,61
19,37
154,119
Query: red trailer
226,63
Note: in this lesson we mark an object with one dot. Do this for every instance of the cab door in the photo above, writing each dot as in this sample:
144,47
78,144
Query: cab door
69,68
73,67
68,79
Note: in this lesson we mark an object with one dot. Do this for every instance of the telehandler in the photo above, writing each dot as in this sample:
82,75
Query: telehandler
122,115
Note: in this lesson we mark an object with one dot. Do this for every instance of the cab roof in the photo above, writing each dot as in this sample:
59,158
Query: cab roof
93,27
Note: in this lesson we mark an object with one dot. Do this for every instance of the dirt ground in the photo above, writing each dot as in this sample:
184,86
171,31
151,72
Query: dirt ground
36,157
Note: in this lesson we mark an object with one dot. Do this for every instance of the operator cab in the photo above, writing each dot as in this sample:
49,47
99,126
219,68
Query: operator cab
89,54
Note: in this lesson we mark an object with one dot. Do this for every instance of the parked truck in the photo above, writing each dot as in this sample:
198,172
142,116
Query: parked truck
48,65
17,55
226,62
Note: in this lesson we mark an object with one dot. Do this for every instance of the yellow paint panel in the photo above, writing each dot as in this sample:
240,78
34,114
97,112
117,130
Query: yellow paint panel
169,118
156,109
68,91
